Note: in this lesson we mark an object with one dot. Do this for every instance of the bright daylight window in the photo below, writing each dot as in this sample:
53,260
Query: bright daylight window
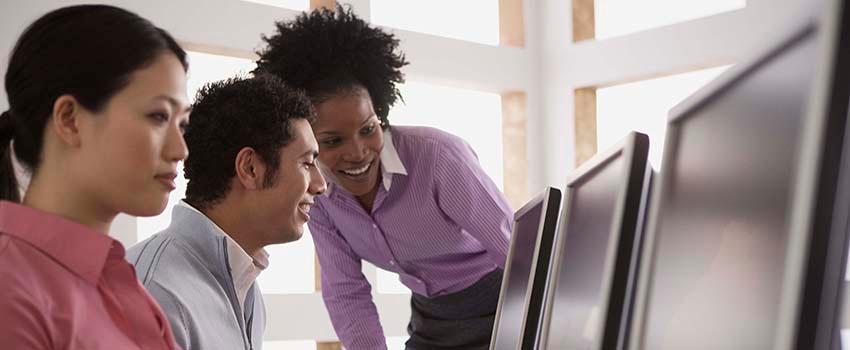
620,17
396,342
644,106
470,20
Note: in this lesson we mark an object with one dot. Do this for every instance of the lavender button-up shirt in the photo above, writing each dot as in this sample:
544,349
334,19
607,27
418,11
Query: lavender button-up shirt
438,221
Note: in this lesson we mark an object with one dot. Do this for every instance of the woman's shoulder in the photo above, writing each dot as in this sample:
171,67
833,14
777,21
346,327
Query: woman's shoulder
423,133
424,138
28,271
19,256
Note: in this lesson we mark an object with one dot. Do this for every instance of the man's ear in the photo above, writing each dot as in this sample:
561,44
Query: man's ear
66,119
250,169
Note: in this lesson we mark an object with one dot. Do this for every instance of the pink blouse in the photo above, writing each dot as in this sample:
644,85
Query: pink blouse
66,286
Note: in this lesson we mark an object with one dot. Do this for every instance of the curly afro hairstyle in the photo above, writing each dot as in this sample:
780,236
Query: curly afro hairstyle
329,52
230,115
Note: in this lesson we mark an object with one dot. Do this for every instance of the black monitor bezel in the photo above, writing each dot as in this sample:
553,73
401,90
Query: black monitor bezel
550,199
624,243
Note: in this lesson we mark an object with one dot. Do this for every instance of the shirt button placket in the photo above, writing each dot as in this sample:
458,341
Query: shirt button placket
389,252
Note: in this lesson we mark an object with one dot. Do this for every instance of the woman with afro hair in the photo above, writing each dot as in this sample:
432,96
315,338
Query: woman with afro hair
410,200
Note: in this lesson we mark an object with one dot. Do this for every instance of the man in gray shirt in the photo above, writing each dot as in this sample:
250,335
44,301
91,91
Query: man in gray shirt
252,178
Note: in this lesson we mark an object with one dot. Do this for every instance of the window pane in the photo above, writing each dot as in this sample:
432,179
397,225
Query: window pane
396,343
471,20
388,283
290,345
299,5
845,338
619,17
474,116
644,106
291,267
206,68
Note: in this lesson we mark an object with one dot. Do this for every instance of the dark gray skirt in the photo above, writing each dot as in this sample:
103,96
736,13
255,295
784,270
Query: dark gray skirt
461,320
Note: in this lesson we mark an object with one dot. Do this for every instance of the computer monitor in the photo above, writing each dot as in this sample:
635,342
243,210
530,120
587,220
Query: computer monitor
744,248
521,296
594,264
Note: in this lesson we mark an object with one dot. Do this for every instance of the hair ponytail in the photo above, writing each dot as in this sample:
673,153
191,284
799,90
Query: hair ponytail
8,181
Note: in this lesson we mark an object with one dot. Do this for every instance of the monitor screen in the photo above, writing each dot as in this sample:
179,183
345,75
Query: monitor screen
528,259
720,235
575,311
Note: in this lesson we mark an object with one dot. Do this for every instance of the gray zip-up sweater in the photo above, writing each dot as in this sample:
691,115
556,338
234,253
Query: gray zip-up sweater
185,268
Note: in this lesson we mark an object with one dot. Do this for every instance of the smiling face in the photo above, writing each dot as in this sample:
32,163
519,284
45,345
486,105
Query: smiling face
350,141
130,148
284,206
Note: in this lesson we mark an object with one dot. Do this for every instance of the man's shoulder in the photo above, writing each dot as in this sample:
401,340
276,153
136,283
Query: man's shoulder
167,259
149,251
175,274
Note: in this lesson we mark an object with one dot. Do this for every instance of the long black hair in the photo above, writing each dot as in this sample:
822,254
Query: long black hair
86,51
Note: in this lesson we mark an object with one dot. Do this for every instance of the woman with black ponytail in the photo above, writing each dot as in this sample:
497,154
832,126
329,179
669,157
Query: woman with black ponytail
97,106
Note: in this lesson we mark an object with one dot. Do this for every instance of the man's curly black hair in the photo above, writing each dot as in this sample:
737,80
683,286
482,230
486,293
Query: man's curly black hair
232,114
329,52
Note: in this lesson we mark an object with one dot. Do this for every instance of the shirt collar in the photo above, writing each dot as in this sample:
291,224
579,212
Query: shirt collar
390,163
77,247
238,258
244,268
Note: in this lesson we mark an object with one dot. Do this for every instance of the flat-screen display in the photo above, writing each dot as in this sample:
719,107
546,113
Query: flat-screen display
722,232
524,280
592,277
